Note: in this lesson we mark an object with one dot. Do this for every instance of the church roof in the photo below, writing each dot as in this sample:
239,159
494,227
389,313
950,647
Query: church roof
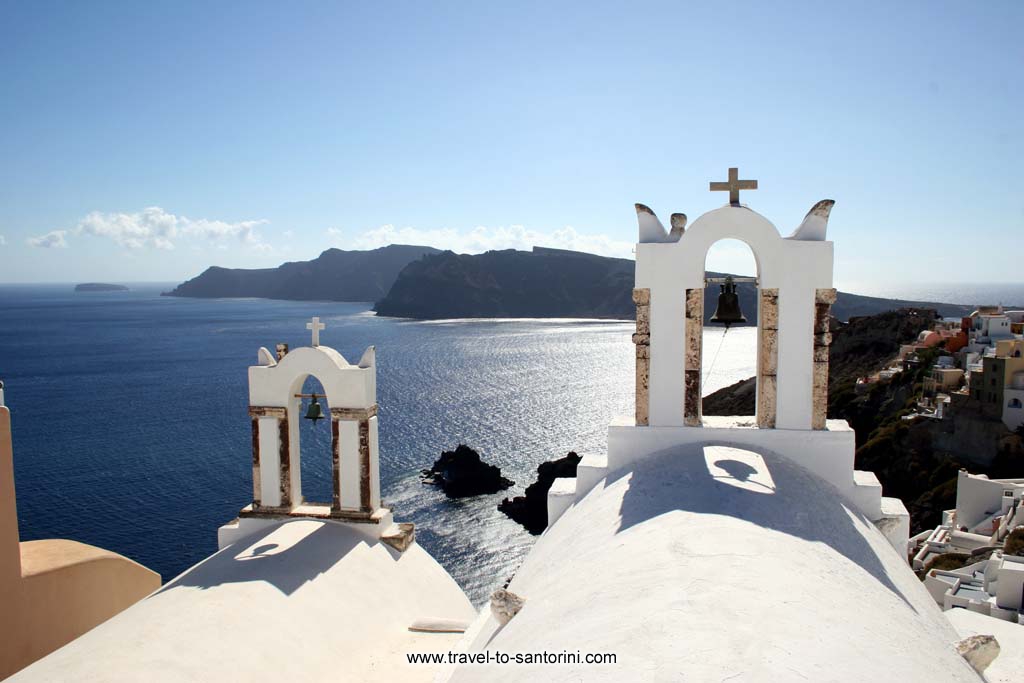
302,600
714,563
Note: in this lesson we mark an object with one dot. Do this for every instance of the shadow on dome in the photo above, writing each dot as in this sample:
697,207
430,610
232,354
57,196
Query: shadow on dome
720,480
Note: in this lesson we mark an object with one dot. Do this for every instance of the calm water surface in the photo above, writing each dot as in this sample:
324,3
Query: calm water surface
129,413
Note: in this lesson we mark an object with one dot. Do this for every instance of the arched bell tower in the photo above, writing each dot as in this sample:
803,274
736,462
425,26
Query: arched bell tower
795,291
275,409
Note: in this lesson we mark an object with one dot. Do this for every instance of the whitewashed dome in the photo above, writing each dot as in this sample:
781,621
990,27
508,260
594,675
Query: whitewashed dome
715,563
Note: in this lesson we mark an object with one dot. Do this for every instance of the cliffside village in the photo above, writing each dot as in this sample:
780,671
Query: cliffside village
980,365
975,558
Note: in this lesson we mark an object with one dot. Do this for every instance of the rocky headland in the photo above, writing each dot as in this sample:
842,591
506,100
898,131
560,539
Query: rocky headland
335,275
555,283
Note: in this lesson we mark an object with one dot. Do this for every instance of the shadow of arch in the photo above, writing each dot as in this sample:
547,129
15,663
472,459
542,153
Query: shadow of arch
736,469
803,505
287,556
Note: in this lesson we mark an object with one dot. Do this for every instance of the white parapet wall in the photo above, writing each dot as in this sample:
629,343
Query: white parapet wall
828,452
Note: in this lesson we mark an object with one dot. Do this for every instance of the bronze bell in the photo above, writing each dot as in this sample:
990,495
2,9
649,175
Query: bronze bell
315,412
728,311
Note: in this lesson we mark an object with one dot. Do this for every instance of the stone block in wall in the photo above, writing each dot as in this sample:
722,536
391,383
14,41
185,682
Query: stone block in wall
822,315
767,393
768,353
642,391
692,400
825,296
695,304
769,309
819,396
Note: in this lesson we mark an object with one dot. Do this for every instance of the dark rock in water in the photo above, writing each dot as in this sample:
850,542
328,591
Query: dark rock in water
99,287
462,473
531,510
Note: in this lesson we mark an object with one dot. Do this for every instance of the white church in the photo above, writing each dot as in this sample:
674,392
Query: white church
696,549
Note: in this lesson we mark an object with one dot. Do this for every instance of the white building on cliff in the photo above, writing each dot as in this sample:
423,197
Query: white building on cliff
694,549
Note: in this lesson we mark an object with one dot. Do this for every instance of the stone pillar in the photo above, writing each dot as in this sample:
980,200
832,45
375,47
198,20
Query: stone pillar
257,493
269,457
767,357
335,466
356,493
284,462
692,365
823,300
364,466
642,340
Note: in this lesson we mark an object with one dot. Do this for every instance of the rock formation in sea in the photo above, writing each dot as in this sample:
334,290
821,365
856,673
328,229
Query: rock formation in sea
462,473
531,510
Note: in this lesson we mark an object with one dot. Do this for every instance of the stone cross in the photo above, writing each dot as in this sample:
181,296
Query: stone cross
315,325
734,186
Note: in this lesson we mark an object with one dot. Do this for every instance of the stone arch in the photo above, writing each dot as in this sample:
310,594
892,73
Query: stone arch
296,420
795,295
275,408
697,337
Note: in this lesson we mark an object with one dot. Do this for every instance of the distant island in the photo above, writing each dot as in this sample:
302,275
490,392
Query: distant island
99,287
554,283
425,283
335,275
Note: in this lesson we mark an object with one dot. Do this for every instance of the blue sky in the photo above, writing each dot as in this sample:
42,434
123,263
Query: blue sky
146,141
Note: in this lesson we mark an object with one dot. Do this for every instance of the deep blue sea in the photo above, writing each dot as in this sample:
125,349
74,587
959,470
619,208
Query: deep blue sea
129,413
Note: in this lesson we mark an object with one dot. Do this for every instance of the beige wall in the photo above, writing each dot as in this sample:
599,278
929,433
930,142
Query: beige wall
55,590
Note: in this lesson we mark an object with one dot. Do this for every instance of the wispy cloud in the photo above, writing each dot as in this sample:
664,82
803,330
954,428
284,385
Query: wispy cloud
3,240
51,240
481,239
156,228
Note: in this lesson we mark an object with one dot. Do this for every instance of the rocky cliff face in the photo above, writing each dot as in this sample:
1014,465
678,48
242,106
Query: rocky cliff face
543,283
858,348
554,283
917,461
335,275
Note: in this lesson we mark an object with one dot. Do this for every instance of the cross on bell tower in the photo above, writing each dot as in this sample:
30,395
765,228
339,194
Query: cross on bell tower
315,325
733,186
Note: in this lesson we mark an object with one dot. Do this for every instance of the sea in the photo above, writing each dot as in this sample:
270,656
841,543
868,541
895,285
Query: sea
131,431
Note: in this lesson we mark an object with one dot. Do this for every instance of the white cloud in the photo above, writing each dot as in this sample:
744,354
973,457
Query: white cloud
154,227
51,240
481,239
3,240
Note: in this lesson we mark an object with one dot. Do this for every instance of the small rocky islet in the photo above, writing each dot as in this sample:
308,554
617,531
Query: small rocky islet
461,473
531,510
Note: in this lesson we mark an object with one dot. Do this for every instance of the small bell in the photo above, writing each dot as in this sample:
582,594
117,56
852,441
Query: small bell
315,412
728,311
